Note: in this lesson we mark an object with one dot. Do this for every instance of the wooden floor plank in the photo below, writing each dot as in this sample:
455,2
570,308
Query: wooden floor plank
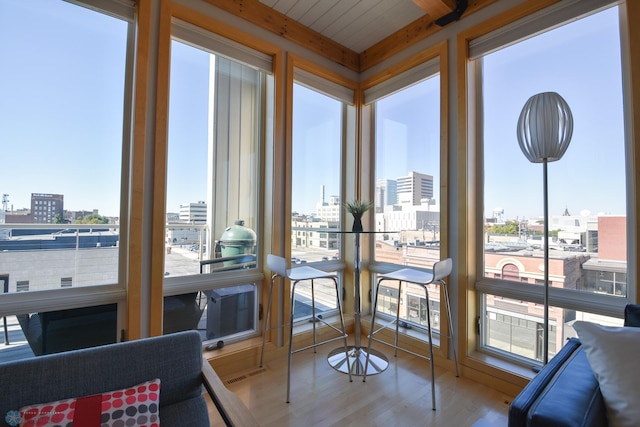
401,395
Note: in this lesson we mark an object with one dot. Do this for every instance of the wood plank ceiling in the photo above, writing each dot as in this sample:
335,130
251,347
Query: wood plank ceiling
355,33
355,24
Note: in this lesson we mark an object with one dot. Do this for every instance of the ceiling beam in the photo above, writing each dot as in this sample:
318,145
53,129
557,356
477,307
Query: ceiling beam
436,9
278,23
418,30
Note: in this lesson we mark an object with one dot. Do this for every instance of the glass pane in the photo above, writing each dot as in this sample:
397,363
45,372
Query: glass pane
325,298
61,112
316,175
517,326
214,313
215,121
62,330
587,202
412,303
407,175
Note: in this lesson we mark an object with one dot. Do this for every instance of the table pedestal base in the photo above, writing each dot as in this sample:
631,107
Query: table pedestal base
357,360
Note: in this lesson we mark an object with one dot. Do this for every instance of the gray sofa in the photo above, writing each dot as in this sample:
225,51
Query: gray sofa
175,358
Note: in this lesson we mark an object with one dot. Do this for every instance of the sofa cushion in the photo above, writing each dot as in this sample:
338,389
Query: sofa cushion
613,354
521,405
571,399
132,406
564,393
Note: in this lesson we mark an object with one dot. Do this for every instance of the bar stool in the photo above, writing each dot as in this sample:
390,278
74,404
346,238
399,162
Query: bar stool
278,266
441,269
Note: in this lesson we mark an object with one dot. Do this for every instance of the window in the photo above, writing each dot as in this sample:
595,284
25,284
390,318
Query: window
407,182
407,170
66,112
22,285
581,60
63,113
316,171
220,98
322,113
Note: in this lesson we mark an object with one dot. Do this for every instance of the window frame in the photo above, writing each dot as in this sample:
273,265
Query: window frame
63,298
334,85
470,189
270,145
440,53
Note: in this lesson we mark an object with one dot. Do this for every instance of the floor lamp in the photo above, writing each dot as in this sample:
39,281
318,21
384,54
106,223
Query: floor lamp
545,127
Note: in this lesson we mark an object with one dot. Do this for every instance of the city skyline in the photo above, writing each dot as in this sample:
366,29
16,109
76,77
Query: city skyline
76,147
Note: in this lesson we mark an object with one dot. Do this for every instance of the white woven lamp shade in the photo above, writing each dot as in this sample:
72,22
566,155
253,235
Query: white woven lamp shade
545,127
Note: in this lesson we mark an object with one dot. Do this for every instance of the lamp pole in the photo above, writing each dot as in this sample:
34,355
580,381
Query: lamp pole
545,333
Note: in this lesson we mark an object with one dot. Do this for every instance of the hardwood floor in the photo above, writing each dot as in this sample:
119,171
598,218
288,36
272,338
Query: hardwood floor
320,396
399,396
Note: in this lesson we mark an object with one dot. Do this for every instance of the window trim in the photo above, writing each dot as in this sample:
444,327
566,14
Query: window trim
406,73
207,24
83,296
469,189
311,75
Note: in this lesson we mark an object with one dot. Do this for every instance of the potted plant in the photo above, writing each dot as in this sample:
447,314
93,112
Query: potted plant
357,208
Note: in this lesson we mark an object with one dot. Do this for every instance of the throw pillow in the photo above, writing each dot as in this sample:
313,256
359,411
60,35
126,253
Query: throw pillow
613,355
133,406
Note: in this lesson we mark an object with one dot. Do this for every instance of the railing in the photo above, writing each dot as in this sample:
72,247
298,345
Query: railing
50,256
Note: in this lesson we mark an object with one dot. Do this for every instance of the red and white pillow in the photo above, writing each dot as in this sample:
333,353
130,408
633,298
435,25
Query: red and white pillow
133,406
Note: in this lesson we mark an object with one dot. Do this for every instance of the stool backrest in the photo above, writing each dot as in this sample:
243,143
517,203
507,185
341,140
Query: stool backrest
277,264
442,269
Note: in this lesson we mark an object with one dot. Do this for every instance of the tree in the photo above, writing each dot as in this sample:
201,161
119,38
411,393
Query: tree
510,227
58,219
93,219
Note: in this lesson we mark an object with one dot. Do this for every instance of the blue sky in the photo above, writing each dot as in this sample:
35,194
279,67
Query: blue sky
63,129
188,106
317,121
408,132
591,174
57,131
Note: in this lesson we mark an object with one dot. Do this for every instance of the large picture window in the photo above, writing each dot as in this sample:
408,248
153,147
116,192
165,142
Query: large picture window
581,61
220,95
407,169
407,197
65,120
321,113
62,115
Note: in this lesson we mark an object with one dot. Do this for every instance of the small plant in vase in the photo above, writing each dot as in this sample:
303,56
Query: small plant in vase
357,208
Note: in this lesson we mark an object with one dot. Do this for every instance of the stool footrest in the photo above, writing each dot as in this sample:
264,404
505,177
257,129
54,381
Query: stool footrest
422,356
330,340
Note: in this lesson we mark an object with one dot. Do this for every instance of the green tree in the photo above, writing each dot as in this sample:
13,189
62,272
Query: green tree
58,219
510,227
93,219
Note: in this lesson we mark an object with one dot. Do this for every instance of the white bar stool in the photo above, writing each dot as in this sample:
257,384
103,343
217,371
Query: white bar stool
441,269
278,266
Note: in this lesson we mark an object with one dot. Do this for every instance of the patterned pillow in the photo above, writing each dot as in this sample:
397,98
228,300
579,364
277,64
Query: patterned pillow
133,406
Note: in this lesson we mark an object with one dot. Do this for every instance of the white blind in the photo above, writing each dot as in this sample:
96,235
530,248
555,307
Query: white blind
536,23
402,80
191,34
325,86
124,9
